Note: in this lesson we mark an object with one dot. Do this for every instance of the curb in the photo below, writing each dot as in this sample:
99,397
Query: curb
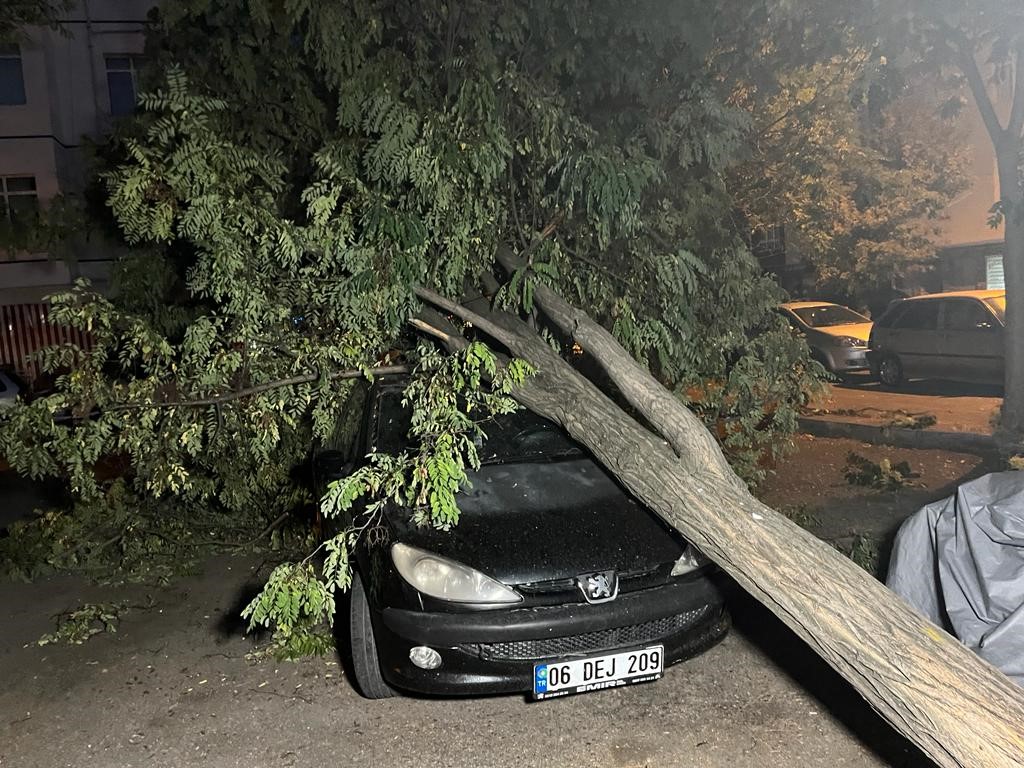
966,442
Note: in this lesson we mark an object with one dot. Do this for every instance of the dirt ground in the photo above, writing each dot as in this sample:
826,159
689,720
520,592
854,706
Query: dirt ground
174,687
955,407
814,476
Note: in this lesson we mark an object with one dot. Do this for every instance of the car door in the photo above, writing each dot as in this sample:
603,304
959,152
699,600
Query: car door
913,337
970,341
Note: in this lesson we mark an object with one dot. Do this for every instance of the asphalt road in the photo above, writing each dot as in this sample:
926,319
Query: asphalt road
173,688
20,496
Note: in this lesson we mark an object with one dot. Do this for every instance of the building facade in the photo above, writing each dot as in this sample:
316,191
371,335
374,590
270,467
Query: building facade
970,251
60,88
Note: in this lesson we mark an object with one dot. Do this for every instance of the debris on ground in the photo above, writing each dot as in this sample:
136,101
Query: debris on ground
905,420
77,626
884,475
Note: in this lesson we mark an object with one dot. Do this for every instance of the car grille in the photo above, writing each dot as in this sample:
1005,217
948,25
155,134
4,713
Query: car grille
588,642
558,591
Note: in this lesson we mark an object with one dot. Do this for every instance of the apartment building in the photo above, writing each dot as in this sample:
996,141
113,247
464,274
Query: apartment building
58,88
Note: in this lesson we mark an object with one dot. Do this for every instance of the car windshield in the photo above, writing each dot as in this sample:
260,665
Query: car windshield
515,437
826,315
998,305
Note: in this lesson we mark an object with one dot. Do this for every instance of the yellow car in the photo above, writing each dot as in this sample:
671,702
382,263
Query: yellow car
837,336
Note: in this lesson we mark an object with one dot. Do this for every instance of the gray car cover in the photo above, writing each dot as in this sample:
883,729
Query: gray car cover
960,561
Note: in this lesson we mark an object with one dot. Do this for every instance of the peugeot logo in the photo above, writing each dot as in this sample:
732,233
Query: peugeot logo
599,587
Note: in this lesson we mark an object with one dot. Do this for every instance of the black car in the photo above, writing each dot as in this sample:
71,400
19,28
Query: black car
554,581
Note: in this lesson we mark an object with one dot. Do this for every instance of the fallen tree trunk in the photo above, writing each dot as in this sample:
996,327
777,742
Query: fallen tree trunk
957,708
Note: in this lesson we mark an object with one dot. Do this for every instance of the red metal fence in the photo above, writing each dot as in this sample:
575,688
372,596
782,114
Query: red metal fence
24,329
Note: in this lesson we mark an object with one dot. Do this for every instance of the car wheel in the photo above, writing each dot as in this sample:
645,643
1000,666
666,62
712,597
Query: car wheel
365,662
818,356
890,371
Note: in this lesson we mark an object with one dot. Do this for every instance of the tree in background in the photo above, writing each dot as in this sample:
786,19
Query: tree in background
299,172
16,15
979,42
843,155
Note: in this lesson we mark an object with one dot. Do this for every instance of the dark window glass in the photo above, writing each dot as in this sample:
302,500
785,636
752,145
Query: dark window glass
827,315
12,81
998,305
393,420
967,315
18,197
891,315
919,316
23,208
522,436
122,84
21,183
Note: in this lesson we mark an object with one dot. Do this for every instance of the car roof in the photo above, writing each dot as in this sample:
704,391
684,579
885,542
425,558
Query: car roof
805,304
979,294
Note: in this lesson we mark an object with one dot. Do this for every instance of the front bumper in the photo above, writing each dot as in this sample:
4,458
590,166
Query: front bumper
495,651
842,359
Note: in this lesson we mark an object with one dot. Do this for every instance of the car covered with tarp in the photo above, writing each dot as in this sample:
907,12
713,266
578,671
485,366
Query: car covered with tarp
960,561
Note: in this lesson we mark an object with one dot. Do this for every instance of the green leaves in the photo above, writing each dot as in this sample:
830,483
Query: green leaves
450,399
296,170
295,601
89,620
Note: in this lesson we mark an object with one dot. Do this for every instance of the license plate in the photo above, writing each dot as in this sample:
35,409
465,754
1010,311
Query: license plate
561,678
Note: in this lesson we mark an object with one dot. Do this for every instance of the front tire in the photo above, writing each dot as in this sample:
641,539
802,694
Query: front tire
820,357
890,371
365,661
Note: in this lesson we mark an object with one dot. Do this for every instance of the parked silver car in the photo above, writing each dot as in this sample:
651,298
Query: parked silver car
956,336
837,336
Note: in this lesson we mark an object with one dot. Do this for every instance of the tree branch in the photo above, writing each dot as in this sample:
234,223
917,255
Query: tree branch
238,394
450,340
1016,126
977,85
506,336
673,420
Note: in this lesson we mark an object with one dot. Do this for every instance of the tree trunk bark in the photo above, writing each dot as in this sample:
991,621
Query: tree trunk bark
957,708
1012,420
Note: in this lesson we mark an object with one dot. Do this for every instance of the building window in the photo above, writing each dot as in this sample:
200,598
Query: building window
122,79
18,196
769,241
994,275
12,81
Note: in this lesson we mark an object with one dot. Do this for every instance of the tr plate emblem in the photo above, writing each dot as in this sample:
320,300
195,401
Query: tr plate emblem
599,587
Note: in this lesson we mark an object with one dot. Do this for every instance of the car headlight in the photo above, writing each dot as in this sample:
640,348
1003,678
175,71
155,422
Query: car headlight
448,580
850,341
691,560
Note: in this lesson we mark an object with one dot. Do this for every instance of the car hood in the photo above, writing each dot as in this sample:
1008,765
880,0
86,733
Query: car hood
529,522
857,330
